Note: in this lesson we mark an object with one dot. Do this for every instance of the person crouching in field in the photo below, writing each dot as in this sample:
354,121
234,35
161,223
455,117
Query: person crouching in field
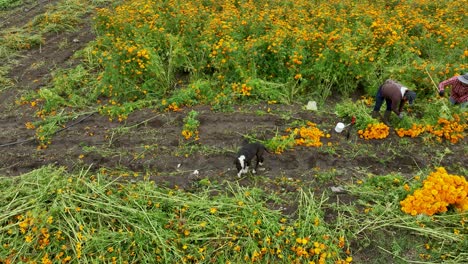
395,96
459,94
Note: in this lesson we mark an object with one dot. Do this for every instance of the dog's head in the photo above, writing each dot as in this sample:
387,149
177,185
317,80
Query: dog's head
240,163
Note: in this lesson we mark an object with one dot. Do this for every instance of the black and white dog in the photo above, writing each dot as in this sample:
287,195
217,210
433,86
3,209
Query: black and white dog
245,156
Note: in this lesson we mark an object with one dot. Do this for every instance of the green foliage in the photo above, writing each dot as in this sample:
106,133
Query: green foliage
5,82
272,91
64,16
381,189
432,110
347,109
280,143
190,121
48,127
428,112
5,4
20,39
191,124
74,87
121,111
51,100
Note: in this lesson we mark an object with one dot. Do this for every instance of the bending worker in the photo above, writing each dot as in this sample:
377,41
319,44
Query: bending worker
395,95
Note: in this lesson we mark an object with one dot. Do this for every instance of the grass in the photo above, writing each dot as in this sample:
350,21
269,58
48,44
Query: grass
5,82
17,39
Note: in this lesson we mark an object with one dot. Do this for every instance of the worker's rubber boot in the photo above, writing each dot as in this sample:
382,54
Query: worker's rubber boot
386,117
375,114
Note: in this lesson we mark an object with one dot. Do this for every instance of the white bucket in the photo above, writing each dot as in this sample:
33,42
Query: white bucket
339,127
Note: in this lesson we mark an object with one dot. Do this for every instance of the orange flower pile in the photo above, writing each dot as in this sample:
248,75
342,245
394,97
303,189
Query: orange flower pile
374,131
451,130
309,136
304,248
439,191
413,132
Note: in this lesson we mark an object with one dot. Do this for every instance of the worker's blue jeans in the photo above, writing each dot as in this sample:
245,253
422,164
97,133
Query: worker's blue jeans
462,105
379,99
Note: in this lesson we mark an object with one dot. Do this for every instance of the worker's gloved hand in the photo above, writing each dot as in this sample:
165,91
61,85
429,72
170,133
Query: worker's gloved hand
441,93
401,115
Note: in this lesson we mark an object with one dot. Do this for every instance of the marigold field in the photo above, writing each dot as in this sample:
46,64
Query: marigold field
231,51
121,149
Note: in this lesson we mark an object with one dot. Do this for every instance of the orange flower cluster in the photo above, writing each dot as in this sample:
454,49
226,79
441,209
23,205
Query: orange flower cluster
451,130
309,136
187,134
174,107
367,100
242,89
439,191
374,131
302,249
413,132
38,234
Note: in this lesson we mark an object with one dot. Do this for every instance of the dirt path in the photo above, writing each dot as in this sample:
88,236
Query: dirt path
32,71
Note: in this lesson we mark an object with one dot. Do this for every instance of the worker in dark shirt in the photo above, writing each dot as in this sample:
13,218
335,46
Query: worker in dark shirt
395,95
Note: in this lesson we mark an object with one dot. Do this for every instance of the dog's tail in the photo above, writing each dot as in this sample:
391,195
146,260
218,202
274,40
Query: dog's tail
266,150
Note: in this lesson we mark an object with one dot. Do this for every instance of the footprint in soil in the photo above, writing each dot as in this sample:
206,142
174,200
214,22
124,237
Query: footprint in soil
319,161
283,162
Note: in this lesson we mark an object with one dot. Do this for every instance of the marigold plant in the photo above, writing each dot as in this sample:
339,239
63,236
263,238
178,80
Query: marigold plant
191,124
143,45
440,190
